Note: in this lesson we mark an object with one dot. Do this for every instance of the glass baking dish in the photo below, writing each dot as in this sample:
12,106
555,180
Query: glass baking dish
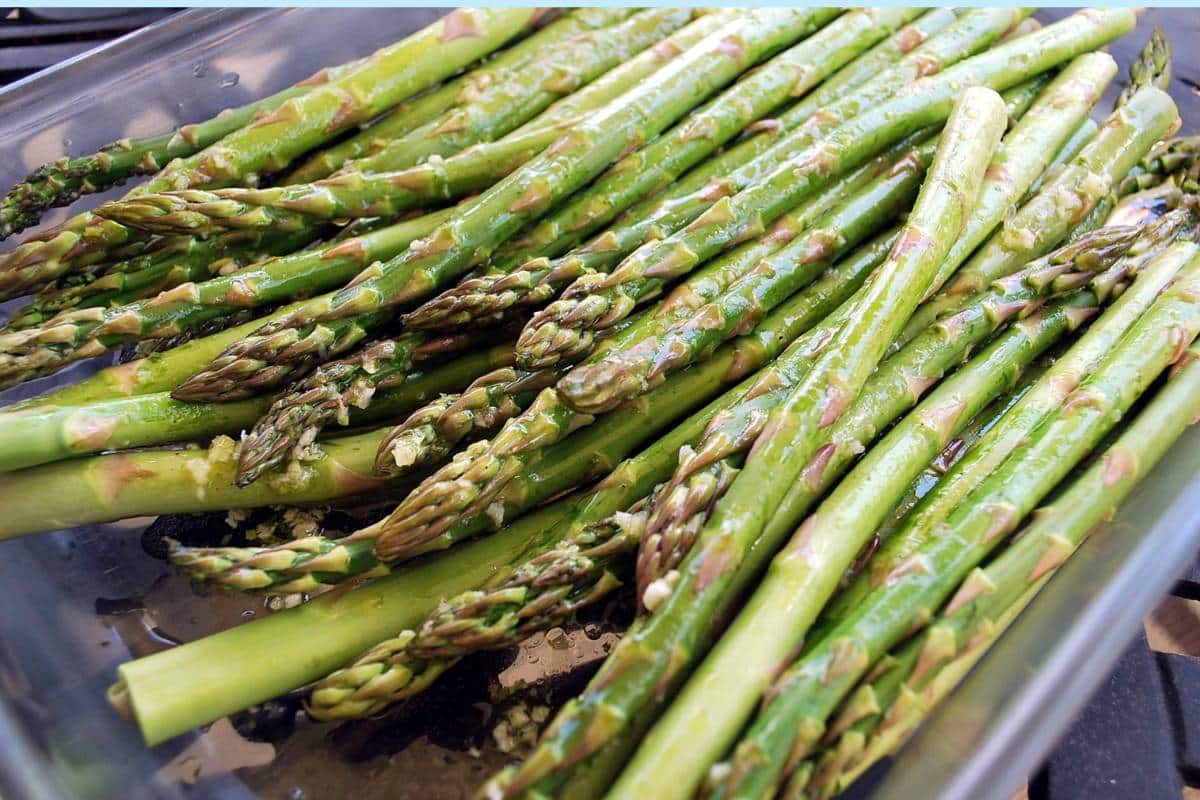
80,602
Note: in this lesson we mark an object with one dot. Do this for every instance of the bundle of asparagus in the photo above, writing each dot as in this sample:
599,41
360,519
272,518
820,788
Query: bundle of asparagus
694,305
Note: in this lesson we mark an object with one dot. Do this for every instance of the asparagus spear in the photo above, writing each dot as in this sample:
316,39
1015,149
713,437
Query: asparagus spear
773,250
596,94
1069,201
490,478
968,625
485,163
1178,157
1160,268
1022,28
716,276
332,629
508,103
552,422
1043,129
512,284
111,487
432,432
319,562
887,692
158,372
583,726
847,519
748,162
178,259
941,212
560,468
90,332
474,169
1080,139
292,423
271,142
791,74
805,694
422,109
44,432
597,303
391,187
316,637
1152,67
673,526
625,373
520,198
658,164
61,182
544,591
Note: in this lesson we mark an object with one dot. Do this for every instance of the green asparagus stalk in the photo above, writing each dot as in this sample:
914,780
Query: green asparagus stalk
484,161
596,304
112,487
523,196
974,617
710,282
596,94
62,181
1152,67
560,467
159,372
886,691
474,169
89,332
774,249
463,497
1024,27
272,141
291,425
940,214
518,96
512,285
675,523
179,259
1064,105
585,725
888,466
801,699
1159,269
544,591
777,247
479,166
425,108
748,162
314,638
331,630
40,433
1178,157
391,187
844,523
715,277
320,562
460,501
602,385
1064,203
1080,139
792,73
944,461
432,432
